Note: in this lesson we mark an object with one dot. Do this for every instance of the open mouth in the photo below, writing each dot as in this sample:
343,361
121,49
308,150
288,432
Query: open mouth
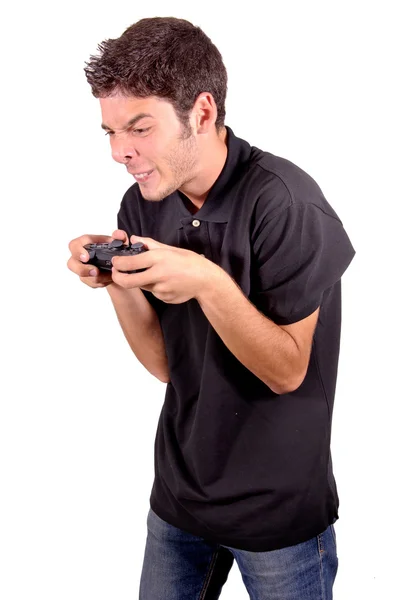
142,177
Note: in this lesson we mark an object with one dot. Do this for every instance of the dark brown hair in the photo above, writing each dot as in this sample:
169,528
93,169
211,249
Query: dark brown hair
165,57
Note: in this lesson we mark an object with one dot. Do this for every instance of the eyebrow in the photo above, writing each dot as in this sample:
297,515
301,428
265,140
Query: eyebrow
132,121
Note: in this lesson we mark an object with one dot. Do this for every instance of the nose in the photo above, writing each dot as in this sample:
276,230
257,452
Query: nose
122,149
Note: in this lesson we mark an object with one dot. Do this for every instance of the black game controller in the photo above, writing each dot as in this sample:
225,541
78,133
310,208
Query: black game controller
100,255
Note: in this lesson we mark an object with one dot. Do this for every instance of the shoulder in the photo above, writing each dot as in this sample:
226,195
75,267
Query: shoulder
291,217
282,187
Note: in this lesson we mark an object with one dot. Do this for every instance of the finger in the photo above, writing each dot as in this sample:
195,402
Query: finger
133,280
76,266
139,261
150,243
97,282
119,234
76,246
95,275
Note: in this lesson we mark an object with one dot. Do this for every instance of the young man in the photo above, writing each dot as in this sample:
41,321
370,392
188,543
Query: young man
238,310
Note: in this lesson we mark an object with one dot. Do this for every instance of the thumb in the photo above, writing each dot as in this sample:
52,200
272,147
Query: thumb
119,234
148,242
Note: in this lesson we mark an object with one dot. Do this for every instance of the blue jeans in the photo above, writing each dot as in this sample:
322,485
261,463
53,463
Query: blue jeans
181,566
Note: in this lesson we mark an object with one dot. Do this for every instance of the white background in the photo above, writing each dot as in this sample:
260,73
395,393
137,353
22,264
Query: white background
312,82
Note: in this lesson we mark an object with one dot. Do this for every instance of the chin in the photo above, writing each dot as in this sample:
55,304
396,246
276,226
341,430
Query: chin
156,195
151,197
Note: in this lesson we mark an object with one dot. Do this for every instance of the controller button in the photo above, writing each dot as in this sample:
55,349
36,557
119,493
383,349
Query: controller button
116,244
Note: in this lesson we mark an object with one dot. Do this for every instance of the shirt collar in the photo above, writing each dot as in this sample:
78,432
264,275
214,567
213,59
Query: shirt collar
217,205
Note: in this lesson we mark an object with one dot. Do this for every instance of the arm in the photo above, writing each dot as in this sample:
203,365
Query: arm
141,327
278,355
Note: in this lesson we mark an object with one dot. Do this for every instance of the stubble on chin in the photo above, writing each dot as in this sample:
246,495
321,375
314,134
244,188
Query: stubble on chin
181,162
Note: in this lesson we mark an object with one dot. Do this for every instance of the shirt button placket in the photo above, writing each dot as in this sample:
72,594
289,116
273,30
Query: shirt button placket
196,224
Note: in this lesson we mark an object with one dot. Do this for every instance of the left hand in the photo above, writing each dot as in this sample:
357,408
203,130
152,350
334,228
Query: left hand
174,275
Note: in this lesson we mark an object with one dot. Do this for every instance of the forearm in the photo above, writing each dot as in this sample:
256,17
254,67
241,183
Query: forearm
141,327
258,343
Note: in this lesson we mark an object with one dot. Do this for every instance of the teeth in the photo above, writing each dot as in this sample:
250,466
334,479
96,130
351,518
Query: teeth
142,175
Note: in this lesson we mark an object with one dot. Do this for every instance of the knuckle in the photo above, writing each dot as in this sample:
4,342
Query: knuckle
71,264
72,245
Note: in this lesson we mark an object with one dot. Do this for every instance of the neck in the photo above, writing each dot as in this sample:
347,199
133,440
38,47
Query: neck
197,189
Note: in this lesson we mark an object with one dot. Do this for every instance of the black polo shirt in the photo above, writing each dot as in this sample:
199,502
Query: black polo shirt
236,463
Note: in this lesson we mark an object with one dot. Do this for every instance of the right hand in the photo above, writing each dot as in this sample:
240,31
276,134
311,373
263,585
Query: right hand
96,278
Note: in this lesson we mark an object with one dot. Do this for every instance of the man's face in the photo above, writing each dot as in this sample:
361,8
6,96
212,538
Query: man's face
146,135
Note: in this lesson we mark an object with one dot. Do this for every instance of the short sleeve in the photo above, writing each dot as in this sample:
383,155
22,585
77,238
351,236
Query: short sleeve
298,255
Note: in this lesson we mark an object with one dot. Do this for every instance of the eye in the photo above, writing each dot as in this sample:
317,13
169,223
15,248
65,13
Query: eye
139,131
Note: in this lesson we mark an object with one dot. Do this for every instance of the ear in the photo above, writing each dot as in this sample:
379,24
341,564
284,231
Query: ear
204,113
